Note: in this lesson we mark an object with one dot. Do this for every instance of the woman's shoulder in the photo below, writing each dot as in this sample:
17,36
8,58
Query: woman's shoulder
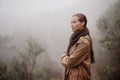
84,39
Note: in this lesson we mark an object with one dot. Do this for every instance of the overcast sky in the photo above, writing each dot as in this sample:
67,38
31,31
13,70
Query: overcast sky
48,20
16,12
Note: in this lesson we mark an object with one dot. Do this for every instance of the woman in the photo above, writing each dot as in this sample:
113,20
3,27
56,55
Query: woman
78,57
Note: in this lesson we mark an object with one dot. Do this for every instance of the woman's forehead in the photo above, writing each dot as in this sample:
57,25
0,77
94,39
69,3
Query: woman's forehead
75,18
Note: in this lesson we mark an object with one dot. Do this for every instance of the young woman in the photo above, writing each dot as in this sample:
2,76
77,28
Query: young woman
78,57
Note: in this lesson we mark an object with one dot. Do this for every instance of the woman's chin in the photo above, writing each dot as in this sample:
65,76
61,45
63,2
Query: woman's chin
73,30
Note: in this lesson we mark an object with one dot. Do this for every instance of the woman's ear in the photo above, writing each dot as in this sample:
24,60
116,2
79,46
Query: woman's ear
83,23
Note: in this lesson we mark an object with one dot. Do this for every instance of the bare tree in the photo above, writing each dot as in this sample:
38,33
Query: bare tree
28,58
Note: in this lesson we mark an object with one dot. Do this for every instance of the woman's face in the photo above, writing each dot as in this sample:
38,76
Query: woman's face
76,24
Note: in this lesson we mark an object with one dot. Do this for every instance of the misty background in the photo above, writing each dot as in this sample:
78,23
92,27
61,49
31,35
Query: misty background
49,22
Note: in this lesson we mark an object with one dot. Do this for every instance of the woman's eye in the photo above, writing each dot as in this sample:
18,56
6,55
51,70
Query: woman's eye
73,21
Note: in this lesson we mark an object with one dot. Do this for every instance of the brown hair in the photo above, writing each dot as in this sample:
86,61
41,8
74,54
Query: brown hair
82,18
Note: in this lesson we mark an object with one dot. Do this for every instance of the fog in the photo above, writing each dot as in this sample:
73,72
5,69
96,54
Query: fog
48,21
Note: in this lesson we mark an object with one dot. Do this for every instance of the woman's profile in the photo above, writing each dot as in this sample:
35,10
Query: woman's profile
79,56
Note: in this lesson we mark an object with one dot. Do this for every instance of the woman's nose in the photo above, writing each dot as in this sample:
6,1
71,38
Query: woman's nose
71,25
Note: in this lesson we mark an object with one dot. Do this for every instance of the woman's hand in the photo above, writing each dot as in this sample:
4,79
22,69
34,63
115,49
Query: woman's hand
65,52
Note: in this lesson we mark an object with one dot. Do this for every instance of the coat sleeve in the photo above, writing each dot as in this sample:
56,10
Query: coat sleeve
78,55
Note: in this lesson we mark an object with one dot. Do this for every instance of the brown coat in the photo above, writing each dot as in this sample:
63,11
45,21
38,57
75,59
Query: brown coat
78,64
